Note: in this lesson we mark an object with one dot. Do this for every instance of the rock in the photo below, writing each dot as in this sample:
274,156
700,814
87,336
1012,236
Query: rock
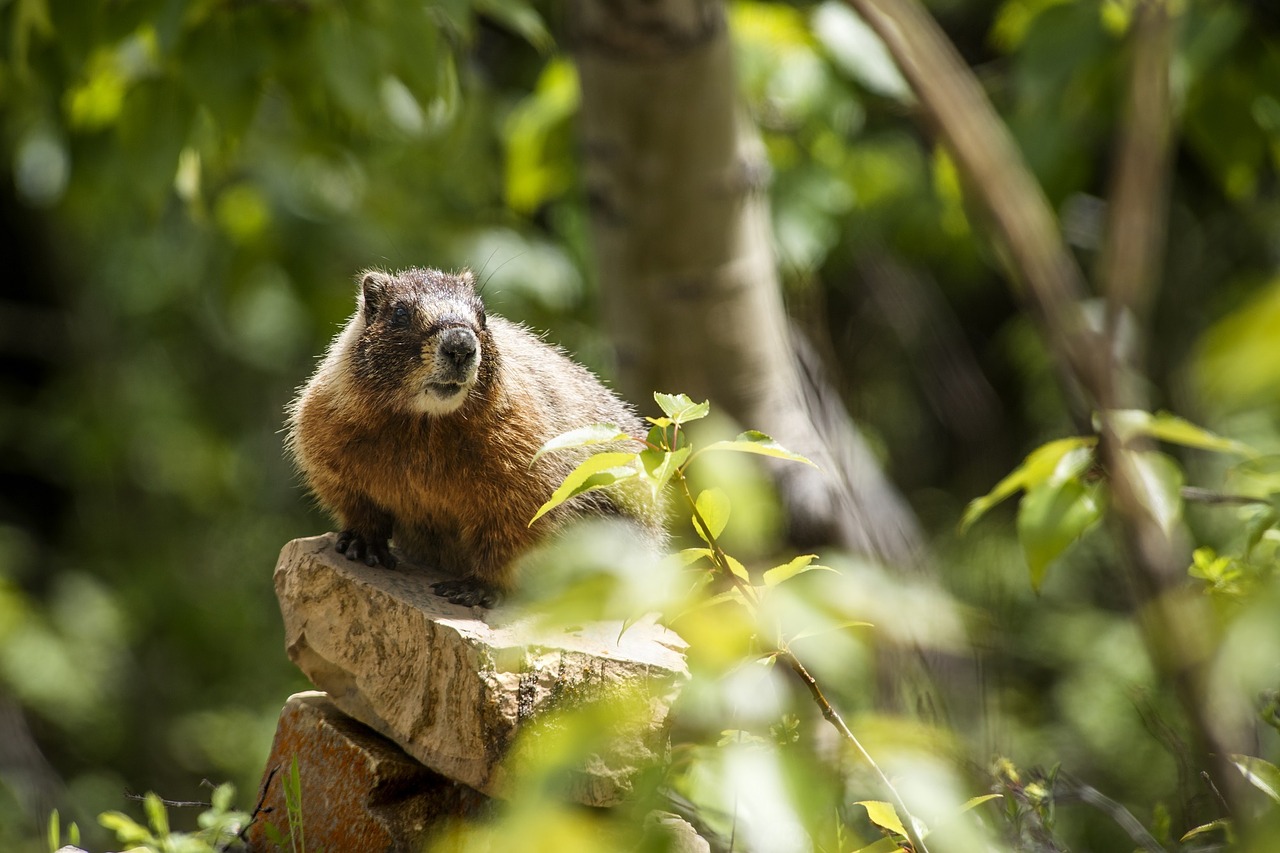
359,790
454,685
672,833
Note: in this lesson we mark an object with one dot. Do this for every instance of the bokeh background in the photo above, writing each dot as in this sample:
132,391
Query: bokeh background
188,191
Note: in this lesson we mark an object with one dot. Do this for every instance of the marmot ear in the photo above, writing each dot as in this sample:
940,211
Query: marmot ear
373,286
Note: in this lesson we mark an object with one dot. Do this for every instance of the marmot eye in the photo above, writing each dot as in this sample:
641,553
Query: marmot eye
480,315
400,316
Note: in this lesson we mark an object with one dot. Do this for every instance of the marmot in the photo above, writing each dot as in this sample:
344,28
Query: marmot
422,420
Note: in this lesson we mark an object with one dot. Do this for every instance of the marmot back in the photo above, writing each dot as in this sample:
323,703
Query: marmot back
420,424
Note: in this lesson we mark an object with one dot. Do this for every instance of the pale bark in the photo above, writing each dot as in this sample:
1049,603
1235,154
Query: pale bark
676,178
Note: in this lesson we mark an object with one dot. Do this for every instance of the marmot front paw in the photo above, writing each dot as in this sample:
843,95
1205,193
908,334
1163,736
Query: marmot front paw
468,592
374,552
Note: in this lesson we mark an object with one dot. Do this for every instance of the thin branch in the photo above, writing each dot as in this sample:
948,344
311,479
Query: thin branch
833,717
1135,237
752,599
1195,494
1114,810
995,172
997,176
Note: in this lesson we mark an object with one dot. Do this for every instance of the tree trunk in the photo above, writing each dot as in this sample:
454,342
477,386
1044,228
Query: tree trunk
676,178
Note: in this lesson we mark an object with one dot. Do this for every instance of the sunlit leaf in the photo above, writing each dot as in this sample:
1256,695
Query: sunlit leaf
1051,517
222,796
535,170
734,595
680,408
974,802
689,556
1263,775
887,844
581,437
1162,426
661,465
858,50
883,815
127,830
1041,464
1222,823
713,508
754,441
1158,484
157,816
799,565
519,17
839,626
1235,365
739,570
54,830
1259,524
595,472
738,736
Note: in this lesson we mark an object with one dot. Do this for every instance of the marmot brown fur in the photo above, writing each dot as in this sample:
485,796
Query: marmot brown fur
422,420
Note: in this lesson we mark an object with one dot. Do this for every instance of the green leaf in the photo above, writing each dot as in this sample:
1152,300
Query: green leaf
739,570
858,51
222,796
595,472
1222,823
582,437
1158,485
974,802
680,409
689,556
661,466
1061,459
1051,517
156,814
754,441
519,17
536,170
713,507
798,566
1263,775
888,844
1258,524
883,815
54,832
719,598
1130,423
127,830
839,626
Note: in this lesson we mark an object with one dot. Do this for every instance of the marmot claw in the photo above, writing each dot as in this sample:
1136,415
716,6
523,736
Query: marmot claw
468,592
372,552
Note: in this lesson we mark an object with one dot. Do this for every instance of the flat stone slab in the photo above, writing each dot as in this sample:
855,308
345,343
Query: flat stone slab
453,685
359,791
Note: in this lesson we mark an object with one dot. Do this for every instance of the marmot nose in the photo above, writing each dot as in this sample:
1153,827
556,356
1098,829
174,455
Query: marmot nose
459,346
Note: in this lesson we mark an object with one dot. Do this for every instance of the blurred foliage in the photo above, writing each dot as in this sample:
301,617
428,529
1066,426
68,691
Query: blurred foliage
188,190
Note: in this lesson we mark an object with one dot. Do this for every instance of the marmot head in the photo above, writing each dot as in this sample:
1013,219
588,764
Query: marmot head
424,339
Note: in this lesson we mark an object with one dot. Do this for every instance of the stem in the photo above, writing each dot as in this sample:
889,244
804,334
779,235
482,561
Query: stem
1052,287
833,717
1117,812
752,600
954,106
1206,496
718,555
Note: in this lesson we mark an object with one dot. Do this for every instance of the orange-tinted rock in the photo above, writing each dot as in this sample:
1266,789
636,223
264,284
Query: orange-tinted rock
359,791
